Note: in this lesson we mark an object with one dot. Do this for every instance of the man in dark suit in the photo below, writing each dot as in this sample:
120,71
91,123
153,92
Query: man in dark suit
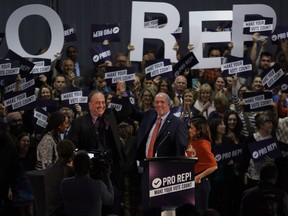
98,131
55,174
172,137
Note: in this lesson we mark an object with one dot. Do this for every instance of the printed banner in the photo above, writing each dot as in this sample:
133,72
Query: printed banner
160,67
268,147
257,101
232,65
114,74
257,23
187,61
102,32
100,54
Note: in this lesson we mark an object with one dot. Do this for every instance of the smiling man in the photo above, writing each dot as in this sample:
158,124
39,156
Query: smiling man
97,131
161,133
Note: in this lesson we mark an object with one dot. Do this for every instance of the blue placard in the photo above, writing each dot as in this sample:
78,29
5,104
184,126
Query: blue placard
25,66
20,100
25,83
69,34
257,23
187,61
70,96
257,101
115,74
267,147
273,77
40,119
41,66
280,33
159,67
100,54
102,32
232,65
225,153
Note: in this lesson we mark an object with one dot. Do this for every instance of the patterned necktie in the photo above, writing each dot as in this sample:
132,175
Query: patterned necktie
153,138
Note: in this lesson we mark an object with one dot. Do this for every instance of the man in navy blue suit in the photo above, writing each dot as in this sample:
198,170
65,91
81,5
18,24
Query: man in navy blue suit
172,137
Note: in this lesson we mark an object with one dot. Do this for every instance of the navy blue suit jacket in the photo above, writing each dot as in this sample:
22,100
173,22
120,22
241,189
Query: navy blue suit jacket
171,140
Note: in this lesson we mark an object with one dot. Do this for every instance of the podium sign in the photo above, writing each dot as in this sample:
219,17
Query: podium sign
168,181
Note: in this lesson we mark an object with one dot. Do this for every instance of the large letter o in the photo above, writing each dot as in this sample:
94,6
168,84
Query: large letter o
55,24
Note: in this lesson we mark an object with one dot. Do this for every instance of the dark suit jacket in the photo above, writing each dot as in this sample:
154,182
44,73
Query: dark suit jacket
171,140
83,134
52,179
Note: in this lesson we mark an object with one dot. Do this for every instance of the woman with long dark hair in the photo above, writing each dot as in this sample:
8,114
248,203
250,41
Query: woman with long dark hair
221,180
46,151
200,146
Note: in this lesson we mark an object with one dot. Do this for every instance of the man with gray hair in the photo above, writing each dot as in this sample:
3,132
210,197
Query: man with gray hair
161,133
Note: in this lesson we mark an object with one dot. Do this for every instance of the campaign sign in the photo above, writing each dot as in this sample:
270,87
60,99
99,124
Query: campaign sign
257,101
273,76
159,67
48,104
42,66
25,66
69,34
115,74
25,83
284,84
102,32
168,182
232,65
260,149
40,119
122,106
187,61
100,54
73,95
1,37
257,23
225,153
284,149
20,100
9,70
280,33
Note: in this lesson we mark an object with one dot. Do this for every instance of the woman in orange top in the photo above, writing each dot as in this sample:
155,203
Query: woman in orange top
199,146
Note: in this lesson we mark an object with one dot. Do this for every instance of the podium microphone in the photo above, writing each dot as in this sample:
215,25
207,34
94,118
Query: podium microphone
156,153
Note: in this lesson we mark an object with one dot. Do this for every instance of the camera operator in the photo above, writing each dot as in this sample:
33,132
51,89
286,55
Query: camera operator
55,174
83,195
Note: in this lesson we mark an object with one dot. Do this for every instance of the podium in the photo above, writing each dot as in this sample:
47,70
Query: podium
36,178
168,182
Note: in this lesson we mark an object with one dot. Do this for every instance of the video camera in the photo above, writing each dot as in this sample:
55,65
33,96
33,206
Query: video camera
101,162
